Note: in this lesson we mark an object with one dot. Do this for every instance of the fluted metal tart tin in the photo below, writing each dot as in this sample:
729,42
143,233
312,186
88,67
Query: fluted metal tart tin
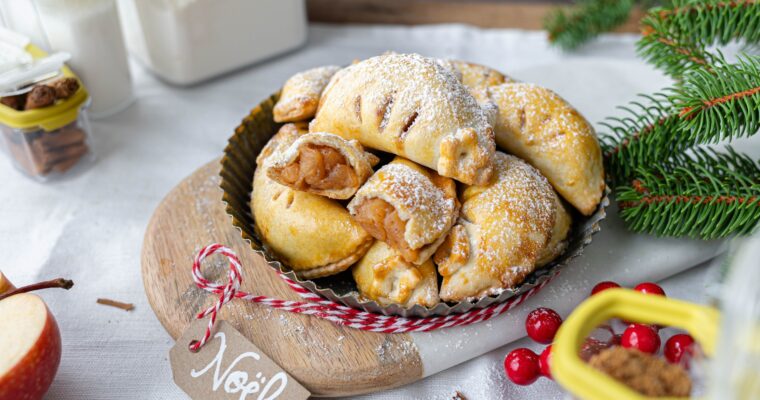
238,166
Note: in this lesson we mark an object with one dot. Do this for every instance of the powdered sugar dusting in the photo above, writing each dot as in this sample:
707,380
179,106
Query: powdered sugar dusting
432,82
510,222
409,105
429,212
522,208
312,81
542,116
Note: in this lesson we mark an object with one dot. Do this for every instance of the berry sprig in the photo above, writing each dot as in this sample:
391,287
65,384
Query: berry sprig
523,366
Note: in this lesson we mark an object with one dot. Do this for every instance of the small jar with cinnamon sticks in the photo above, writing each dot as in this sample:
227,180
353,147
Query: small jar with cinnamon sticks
45,130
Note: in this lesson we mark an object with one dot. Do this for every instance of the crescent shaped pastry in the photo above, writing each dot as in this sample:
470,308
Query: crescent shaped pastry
382,275
407,206
478,78
410,106
281,140
540,127
313,235
323,164
300,95
558,242
503,229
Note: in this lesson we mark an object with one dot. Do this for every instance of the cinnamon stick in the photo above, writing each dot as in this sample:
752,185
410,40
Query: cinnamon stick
117,304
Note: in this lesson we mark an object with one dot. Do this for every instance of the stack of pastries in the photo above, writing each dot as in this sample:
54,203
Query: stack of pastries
406,168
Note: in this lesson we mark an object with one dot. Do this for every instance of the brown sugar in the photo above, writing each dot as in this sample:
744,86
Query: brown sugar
647,374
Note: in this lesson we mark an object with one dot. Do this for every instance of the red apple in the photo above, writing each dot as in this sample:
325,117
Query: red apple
30,347
5,284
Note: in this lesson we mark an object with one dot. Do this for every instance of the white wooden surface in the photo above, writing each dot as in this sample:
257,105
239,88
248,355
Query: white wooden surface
90,228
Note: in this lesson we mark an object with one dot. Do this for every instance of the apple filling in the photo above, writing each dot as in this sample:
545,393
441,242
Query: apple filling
319,167
381,220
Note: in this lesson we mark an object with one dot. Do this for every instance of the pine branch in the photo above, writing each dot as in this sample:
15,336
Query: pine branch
672,55
570,29
665,184
722,103
642,137
705,108
705,195
716,22
675,37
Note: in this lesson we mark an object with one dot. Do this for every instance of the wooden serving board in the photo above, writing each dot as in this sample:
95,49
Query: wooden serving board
331,360
326,358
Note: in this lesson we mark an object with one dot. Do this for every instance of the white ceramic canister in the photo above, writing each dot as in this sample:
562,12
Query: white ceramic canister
188,41
91,31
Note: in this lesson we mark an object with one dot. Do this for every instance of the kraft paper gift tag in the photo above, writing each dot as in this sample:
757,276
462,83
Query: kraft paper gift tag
229,366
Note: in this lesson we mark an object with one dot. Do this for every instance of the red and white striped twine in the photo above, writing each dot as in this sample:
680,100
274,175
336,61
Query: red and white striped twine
328,309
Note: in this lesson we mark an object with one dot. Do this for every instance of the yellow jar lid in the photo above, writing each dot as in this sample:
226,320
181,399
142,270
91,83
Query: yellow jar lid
48,118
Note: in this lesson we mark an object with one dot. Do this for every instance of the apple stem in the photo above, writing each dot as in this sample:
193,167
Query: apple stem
53,283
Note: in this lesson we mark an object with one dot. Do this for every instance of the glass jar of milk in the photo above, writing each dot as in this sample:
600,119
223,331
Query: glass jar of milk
90,30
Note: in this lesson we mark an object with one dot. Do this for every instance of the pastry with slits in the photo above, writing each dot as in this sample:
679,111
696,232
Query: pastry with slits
413,107
540,127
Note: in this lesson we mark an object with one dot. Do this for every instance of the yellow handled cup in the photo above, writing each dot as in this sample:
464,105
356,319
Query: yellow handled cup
587,383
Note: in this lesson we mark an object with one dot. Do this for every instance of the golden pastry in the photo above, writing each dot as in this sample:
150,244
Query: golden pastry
407,206
324,164
503,229
558,243
300,95
478,78
313,235
284,137
382,275
411,106
537,125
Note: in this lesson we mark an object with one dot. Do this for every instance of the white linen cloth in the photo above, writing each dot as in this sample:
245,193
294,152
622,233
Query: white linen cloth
90,228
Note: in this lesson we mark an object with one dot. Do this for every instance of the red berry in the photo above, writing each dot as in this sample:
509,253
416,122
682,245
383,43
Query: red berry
641,337
545,361
603,286
521,366
677,346
542,324
649,288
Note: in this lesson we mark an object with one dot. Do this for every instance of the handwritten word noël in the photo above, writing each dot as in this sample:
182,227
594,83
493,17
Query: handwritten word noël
237,381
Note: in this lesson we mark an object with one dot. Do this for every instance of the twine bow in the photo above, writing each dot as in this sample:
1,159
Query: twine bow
327,309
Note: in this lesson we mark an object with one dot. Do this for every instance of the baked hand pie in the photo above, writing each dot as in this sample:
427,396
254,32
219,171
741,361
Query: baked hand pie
324,164
540,127
558,242
478,78
312,234
410,106
407,206
285,136
300,95
382,275
502,231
